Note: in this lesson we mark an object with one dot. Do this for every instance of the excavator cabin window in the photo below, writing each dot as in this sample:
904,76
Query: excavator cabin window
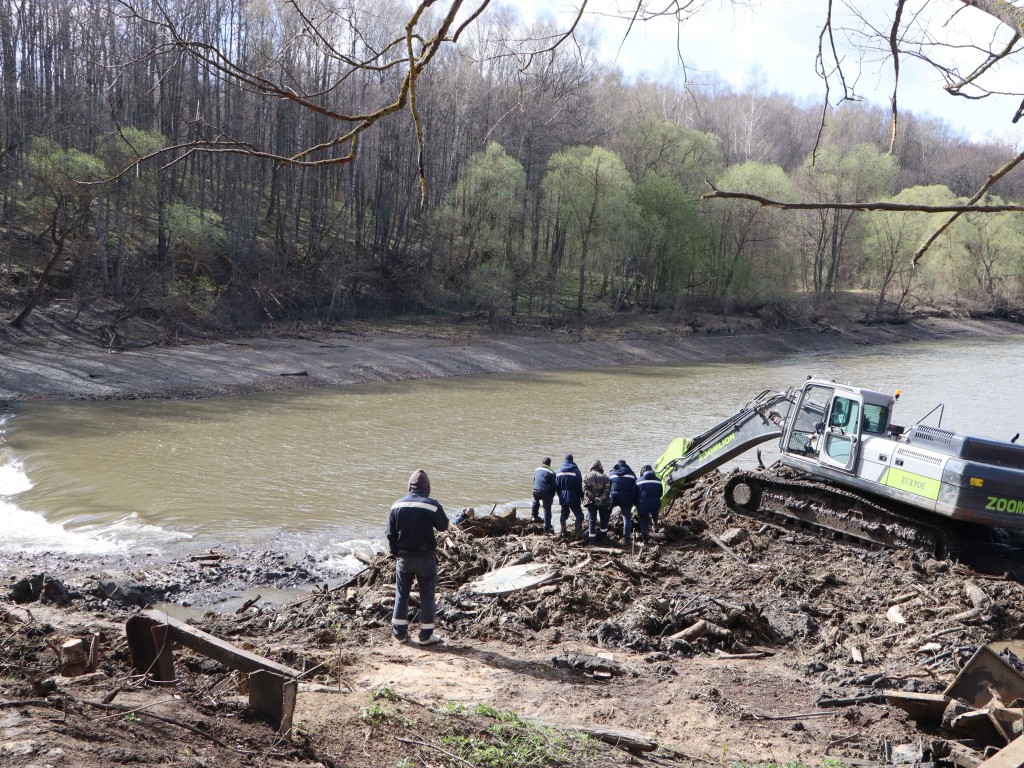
810,420
875,420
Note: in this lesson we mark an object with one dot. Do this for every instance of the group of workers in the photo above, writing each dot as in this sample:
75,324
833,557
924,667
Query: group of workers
600,493
415,517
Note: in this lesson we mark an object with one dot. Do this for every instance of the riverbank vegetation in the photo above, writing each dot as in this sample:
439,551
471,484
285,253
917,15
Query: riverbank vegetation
541,185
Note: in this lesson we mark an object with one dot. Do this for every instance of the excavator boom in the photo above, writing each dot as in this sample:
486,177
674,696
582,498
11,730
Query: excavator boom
759,421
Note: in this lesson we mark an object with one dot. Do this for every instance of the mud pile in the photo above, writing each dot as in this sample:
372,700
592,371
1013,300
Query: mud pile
837,605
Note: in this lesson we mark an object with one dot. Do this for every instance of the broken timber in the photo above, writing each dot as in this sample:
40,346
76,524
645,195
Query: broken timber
1010,756
619,737
152,634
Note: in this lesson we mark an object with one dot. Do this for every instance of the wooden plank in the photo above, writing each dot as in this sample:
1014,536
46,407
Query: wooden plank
1010,756
148,658
213,647
922,707
274,697
164,645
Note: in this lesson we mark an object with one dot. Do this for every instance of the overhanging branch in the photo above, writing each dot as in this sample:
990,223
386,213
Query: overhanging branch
765,202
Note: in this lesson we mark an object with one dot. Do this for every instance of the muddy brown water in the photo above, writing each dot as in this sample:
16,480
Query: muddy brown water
315,472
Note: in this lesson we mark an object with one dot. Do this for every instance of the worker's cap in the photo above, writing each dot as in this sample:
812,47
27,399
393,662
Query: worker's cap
546,461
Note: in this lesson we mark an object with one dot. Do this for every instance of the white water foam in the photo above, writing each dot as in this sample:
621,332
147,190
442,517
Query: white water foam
24,531
340,557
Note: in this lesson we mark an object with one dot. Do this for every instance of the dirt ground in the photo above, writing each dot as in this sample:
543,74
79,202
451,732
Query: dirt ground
65,353
785,616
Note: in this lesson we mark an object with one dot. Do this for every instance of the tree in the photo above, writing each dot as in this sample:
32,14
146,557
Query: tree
859,175
588,197
747,260
482,216
890,239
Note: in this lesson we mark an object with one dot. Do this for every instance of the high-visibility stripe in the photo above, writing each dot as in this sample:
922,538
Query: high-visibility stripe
400,622
416,504
623,477
648,482
544,469
566,474
424,627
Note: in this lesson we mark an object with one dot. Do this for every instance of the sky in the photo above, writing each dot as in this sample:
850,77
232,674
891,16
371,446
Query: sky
775,42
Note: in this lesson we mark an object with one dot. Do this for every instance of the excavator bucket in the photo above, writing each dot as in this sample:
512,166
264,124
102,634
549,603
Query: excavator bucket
995,671
676,450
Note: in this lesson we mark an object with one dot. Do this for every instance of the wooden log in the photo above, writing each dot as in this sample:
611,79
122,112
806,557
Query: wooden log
73,659
619,737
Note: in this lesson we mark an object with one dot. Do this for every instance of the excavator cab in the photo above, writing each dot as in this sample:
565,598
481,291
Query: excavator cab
827,425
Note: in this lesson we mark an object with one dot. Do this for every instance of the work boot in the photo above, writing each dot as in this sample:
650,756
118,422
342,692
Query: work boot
562,525
579,529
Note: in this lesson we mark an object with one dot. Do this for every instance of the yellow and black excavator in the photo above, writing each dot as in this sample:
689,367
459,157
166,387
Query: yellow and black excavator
847,469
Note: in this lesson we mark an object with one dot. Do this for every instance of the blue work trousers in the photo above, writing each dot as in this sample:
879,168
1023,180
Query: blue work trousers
577,511
626,509
422,568
545,498
598,515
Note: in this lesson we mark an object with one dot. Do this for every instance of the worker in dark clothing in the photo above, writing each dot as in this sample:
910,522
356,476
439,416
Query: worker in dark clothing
647,497
411,526
623,481
544,492
569,482
596,490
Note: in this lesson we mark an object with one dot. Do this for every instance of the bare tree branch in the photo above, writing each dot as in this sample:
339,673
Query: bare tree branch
765,202
977,196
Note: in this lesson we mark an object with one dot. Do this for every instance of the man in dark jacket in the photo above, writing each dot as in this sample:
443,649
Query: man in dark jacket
569,482
647,496
623,481
544,492
411,526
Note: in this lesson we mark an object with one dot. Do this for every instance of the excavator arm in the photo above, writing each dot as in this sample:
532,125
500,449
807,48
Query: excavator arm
760,420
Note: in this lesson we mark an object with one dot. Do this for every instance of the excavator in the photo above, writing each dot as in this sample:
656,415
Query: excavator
847,470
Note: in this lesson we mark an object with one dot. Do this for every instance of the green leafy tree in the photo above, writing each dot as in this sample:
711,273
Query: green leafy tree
588,196
482,215
892,237
831,176
747,259
986,271
59,203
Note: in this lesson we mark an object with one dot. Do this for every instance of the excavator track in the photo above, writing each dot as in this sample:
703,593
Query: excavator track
797,500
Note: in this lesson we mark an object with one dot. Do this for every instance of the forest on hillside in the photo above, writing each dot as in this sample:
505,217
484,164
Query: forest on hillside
501,181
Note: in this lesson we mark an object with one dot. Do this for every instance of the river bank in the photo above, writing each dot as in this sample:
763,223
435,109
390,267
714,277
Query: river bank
717,654
54,364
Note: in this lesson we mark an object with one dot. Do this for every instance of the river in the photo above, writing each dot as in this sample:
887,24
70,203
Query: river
315,472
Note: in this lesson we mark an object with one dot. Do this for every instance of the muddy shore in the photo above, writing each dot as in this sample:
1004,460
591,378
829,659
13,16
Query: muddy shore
780,638
61,366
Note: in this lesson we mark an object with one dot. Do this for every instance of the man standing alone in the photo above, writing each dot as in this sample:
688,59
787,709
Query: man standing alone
410,533
544,492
